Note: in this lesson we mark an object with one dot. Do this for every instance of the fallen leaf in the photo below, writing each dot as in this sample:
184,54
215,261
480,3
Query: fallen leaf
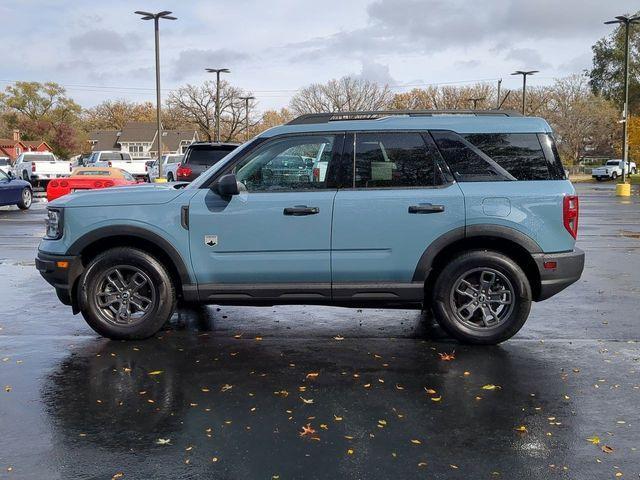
307,401
324,426
436,399
226,387
491,386
447,357
163,441
594,440
350,451
338,338
607,449
7,388
214,459
430,391
521,428
466,374
312,375
337,418
307,430
258,339
399,387
117,475
416,442
282,393
155,372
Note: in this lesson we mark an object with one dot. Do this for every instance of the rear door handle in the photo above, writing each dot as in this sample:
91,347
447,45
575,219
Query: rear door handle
301,210
426,208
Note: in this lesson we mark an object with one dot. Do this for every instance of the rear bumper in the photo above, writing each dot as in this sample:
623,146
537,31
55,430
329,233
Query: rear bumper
569,267
56,274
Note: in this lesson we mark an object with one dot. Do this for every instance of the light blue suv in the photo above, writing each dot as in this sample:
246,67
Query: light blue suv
465,214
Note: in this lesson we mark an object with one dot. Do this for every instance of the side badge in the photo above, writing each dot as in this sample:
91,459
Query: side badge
211,240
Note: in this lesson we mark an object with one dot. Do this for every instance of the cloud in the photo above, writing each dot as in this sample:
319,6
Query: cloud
526,58
376,72
102,40
196,60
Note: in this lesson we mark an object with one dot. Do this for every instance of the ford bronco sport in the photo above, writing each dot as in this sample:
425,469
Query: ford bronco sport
465,214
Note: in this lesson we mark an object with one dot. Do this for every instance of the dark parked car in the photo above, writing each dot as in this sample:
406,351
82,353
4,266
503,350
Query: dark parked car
14,191
200,156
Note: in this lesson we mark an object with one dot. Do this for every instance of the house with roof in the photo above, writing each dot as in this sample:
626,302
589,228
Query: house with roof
13,147
139,139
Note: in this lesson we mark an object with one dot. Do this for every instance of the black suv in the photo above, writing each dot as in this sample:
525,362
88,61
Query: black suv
200,156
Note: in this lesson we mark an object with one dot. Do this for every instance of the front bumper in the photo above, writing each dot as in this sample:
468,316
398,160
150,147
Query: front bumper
62,278
569,267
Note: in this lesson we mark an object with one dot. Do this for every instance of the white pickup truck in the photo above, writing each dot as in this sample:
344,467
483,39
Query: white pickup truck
123,160
40,167
613,169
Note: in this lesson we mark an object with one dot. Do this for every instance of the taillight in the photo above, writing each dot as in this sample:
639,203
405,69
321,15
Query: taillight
70,168
109,183
64,183
53,183
570,208
33,166
316,174
183,171
97,184
110,164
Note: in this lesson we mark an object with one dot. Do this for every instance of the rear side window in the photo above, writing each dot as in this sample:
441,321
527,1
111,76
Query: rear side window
110,156
206,156
38,158
467,162
520,154
394,160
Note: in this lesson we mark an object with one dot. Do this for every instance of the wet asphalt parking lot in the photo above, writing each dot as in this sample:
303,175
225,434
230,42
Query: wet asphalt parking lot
226,392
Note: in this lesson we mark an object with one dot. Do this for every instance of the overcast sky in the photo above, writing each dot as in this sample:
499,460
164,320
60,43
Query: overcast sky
100,49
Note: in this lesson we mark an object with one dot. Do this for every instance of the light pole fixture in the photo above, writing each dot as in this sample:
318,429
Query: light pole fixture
156,19
475,101
627,21
524,74
246,99
218,71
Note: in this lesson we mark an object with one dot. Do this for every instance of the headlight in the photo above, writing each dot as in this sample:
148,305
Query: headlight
54,224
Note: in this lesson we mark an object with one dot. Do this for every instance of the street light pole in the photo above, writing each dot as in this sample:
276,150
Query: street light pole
627,22
156,20
524,74
498,95
475,101
246,115
218,71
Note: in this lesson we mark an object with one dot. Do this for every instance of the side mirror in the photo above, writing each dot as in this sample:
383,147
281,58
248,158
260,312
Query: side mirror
10,175
227,186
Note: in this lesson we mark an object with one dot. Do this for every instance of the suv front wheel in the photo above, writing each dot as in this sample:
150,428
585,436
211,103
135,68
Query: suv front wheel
126,294
482,297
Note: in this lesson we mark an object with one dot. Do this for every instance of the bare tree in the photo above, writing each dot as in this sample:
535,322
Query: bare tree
342,95
447,97
197,104
114,114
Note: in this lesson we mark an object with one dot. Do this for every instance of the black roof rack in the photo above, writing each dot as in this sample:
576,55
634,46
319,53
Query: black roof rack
327,117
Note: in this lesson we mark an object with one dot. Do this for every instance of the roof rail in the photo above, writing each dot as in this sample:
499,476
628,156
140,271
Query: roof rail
327,117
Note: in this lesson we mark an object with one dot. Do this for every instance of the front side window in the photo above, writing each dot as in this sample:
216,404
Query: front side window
3,176
287,164
394,160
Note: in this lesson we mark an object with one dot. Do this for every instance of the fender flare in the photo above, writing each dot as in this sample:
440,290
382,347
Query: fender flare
132,231
479,230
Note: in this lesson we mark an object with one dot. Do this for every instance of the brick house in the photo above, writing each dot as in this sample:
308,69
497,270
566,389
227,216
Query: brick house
13,147
139,139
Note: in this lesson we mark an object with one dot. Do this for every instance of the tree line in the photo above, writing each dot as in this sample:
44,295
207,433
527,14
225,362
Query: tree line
583,109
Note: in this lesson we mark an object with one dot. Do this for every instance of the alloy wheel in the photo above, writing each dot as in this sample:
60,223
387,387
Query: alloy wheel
482,298
125,295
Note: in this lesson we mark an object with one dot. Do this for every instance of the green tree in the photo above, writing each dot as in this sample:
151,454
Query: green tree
607,74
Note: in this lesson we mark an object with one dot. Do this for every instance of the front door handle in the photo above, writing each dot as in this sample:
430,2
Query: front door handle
426,208
300,210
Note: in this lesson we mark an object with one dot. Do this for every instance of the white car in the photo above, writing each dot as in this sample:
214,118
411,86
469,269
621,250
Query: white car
170,163
613,169
40,167
122,160
5,164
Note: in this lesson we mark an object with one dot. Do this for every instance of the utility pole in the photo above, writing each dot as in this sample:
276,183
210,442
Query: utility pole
246,115
498,96
627,22
156,20
218,71
475,101
524,74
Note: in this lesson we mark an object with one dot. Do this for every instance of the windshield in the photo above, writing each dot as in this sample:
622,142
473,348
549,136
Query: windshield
204,178
613,162
207,156
4,161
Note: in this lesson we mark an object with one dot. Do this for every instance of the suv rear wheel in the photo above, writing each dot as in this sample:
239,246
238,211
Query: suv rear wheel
126,294
482,297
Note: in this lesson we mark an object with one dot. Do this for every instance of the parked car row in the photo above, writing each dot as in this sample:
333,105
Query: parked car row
612,169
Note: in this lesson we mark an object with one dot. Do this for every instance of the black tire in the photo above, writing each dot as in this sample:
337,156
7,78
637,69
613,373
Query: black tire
157,288
598,179
614,175
26,199
170,177
508,273
633,171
